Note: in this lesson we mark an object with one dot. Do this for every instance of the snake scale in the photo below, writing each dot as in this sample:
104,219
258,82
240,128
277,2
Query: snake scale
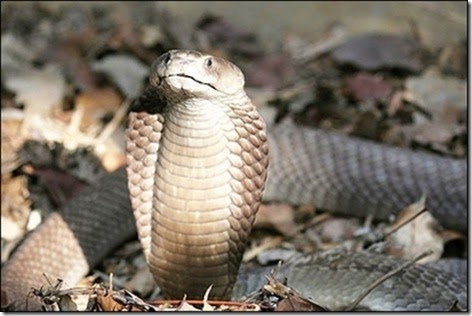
197,162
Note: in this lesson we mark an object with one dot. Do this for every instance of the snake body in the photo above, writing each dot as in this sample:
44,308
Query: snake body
179,155
196,173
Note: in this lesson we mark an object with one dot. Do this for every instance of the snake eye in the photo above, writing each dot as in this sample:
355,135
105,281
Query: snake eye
208,62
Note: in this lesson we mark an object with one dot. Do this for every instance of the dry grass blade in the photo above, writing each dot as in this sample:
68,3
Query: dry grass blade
206,306
114,123
379,281
408,220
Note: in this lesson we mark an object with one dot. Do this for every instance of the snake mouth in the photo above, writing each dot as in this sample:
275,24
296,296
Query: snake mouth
190,77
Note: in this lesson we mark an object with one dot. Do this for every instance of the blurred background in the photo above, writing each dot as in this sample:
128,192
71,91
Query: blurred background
439,21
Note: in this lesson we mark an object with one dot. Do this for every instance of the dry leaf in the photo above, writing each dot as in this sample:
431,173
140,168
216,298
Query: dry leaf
10,230
38,90
367,124
272,71
416,236
280,217
266,243
291,299
433,92
96,104
142,282
108,303
126,71
364,87
297,303
380,51
455,308
337,229
433,133
185,307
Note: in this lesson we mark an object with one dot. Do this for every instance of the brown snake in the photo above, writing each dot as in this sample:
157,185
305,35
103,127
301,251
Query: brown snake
197,157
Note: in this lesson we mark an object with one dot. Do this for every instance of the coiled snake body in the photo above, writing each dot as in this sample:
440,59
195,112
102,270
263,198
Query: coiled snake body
197,164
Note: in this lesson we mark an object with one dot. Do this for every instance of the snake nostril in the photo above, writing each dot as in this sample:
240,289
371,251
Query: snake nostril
164,59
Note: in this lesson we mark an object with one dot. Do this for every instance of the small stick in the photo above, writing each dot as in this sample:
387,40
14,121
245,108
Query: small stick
110,286
424,209
113,124
385,277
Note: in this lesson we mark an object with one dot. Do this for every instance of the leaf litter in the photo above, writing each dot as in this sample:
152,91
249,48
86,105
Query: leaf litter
409,94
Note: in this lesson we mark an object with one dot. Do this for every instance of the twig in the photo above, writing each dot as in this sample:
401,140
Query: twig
110,284
76,119
386,276
113,124
393,230
266,244
206,306
311,52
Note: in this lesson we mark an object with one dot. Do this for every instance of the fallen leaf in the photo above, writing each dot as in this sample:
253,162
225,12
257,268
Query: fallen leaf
380,51
395,135
40,91
280,217
186,307
126,71
433,134
291,299
421,233
108,303
297,303
455,308
336,229
365,87
129,301
10,230
15,207
141,282
273,71
97,104
267,243
434,92
368,124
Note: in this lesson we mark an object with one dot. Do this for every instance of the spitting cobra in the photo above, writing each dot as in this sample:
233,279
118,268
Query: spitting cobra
198,157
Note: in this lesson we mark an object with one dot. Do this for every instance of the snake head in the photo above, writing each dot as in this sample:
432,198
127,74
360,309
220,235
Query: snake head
196,74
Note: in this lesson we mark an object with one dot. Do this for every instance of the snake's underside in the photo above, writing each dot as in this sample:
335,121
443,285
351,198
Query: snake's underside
356,177
197,162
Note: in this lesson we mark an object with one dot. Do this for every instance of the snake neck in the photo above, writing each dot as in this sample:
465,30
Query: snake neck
189,249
